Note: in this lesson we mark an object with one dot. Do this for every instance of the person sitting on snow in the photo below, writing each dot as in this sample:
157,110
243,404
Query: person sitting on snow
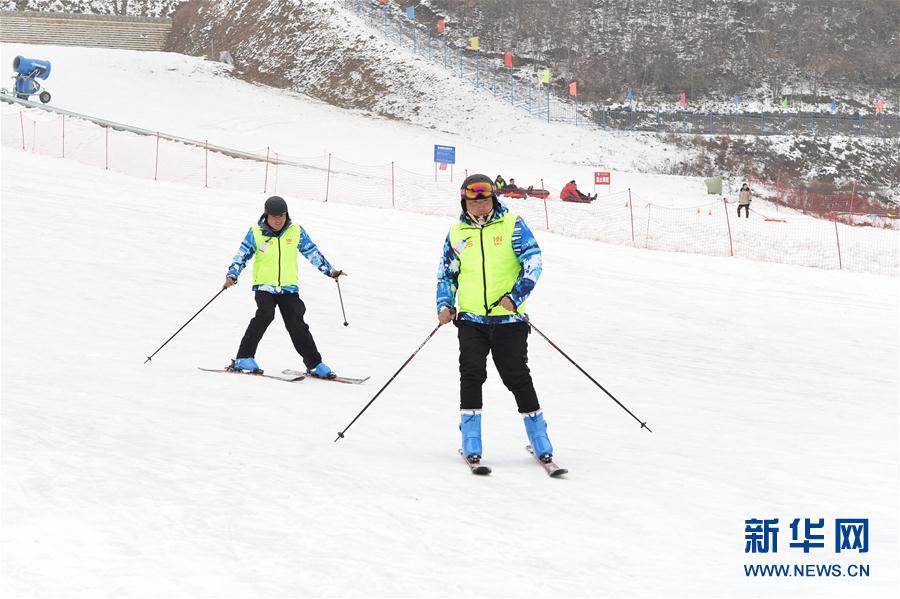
570,193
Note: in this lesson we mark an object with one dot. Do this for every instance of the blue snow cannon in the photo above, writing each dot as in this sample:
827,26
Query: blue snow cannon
28,71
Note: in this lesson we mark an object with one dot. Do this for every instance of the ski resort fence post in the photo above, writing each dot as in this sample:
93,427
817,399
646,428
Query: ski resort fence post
156,162
328,177
852,194
266,176
631,212
838,240
548,102
106,153
494,82
340,435
206,163
728,222
22,122
392,185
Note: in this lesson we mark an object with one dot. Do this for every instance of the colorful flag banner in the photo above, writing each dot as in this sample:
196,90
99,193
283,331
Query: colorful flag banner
683,100
411,13
879,106
546,77
440,25
784,102
507,60
473,43
573,89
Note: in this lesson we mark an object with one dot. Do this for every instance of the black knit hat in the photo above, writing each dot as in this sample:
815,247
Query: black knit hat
275,206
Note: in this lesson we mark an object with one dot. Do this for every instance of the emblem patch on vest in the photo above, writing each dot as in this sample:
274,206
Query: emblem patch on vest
498,239
461,245
289,241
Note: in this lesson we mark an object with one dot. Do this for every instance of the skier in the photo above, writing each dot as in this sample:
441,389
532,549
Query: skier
489,266
744,199
499,182
273,243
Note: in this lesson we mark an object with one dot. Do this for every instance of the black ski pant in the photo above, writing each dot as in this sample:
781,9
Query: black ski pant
746,208
508,346
292,311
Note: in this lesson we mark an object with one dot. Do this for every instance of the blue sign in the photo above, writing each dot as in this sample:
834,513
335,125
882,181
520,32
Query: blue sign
445,154
735,100
411,13
833,106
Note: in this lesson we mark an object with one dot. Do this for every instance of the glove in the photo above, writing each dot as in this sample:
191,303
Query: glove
335,274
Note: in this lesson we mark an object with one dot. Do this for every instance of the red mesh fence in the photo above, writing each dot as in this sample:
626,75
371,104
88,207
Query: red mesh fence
711,229
852,208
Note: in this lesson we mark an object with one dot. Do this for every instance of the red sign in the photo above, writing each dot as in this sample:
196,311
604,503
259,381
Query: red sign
442,166
573,89
507,60
601,178
440,25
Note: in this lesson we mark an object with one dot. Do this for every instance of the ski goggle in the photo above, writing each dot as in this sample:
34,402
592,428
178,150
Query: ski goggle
479,190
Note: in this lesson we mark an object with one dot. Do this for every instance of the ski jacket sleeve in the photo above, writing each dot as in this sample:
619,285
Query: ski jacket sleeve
244,253
311,252
528,252
447,278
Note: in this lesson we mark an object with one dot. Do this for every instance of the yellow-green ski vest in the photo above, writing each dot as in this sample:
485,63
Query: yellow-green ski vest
488,267
275,261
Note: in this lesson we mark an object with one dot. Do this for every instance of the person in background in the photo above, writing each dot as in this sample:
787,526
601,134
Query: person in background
499,182
570,193
744,200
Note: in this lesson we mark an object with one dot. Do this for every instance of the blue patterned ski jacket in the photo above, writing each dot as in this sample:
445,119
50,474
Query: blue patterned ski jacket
305,247
527,251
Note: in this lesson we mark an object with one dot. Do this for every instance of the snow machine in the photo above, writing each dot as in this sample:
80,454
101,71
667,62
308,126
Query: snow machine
28,71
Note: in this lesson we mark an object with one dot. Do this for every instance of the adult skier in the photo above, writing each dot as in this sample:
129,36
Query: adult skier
273,244
490,264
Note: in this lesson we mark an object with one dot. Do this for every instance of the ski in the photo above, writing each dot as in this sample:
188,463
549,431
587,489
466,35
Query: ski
475,467
335,379
551,468
286,379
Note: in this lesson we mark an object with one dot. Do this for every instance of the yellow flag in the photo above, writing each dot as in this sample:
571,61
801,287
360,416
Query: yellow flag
546,76
473,43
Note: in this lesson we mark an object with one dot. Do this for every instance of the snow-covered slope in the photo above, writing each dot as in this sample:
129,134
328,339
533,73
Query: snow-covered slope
771,391
193,98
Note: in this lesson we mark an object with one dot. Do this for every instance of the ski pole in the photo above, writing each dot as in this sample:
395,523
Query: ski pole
556,347
340,435
340,297
150,357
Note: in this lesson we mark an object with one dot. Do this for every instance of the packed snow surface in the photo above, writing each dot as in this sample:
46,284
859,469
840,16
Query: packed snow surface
771,390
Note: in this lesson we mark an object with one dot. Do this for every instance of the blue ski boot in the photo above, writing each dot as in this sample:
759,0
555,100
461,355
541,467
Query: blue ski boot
470,427
245,364
536,427
322,371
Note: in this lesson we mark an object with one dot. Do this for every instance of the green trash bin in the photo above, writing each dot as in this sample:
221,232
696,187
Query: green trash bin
714,185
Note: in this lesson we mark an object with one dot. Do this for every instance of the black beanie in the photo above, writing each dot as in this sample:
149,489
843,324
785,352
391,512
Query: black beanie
276,205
